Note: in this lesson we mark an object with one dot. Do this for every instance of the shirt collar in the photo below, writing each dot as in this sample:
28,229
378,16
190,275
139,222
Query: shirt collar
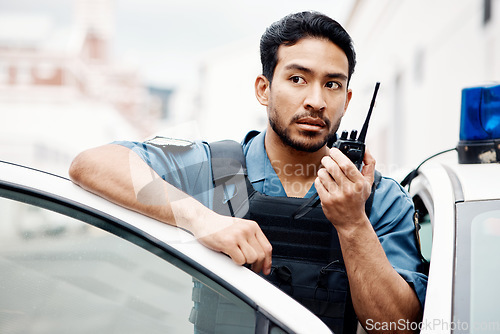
260,171
256,156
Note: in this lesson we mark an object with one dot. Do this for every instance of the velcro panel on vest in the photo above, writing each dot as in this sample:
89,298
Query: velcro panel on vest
231,197
312,237
323,289
230,186
225,161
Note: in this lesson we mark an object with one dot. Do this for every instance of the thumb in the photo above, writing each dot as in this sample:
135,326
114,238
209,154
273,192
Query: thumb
368,170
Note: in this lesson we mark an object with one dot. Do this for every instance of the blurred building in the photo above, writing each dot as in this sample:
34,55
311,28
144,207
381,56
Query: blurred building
226,104
423,53
61,91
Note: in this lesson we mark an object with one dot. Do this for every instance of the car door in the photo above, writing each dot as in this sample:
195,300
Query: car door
433,195
68,268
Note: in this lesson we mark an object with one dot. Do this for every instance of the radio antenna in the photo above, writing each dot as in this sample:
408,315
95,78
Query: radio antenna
362,134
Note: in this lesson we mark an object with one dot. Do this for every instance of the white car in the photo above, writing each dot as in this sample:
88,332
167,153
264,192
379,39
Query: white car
460,208
457,196
72,262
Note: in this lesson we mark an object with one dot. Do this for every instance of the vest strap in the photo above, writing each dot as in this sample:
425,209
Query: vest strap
229,178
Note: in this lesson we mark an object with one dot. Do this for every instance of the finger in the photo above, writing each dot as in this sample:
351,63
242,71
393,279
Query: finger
249,253
267,250
328,163
257,258
334,169
330,166
347,167
320,188
326,179
236,254
261,257
369,166
228,239
255,247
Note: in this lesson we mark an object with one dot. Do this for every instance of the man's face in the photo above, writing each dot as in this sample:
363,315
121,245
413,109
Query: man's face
308,95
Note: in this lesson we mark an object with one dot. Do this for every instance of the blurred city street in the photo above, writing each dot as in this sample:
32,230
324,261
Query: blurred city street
80,73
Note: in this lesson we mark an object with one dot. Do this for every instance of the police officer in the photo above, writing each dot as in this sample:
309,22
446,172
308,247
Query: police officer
307,60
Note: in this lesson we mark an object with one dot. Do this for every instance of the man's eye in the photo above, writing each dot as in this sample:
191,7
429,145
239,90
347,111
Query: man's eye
297,79
332,84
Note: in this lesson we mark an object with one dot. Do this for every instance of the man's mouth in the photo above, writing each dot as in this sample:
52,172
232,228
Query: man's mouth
311,123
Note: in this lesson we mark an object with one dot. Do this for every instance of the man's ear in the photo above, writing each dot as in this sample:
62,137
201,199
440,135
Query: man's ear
347,100
262,86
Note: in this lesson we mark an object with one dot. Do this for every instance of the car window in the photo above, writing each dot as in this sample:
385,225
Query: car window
62,275
485,246
477,292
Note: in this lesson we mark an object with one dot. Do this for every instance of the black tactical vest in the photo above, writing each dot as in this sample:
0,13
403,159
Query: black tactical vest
307,260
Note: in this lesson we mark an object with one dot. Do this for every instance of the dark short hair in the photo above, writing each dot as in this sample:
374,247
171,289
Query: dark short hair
294,27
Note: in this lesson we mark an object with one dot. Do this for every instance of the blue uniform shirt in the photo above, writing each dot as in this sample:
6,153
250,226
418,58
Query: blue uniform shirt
189,169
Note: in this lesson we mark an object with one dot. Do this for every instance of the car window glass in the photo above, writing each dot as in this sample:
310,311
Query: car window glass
61,275
485,271
476,293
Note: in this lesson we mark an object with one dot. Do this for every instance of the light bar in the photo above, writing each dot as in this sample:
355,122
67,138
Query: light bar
480,125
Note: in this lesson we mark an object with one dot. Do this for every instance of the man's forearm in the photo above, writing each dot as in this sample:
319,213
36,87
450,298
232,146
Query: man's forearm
117,174
379,293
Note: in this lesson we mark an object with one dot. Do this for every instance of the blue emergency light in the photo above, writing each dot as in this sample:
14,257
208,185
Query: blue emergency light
480,125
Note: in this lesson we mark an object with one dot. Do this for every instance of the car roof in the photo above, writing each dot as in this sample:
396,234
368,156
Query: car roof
268,299
475,182
479,181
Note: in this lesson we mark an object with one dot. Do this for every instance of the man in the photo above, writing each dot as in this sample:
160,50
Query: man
307,60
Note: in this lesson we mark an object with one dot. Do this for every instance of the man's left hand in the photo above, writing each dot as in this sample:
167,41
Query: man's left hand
343,189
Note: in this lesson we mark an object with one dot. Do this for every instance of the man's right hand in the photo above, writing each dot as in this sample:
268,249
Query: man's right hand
240,239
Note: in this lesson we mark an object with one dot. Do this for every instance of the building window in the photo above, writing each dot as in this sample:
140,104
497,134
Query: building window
486,11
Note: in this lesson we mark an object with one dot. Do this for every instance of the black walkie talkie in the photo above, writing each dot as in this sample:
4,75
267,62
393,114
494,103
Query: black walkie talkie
353,148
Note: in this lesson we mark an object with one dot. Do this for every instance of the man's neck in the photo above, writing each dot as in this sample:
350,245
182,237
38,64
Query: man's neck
296,169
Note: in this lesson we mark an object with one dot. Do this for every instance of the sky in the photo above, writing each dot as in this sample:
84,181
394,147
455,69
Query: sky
165,39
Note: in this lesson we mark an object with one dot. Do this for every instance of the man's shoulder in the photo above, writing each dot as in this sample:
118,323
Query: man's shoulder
389,184
164,144
391,200
164,153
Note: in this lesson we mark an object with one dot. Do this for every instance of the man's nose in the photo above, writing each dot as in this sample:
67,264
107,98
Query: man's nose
315,99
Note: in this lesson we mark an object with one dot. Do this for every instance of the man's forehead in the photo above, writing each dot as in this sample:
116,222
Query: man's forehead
310,49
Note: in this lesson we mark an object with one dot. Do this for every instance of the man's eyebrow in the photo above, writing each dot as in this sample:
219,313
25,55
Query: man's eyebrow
341,76
301,68
298,67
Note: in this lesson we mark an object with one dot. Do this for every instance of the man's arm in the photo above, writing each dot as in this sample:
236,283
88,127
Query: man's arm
119,175
379,293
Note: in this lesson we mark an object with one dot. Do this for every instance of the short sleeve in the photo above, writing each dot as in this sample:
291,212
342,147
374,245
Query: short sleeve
392,219
188,169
